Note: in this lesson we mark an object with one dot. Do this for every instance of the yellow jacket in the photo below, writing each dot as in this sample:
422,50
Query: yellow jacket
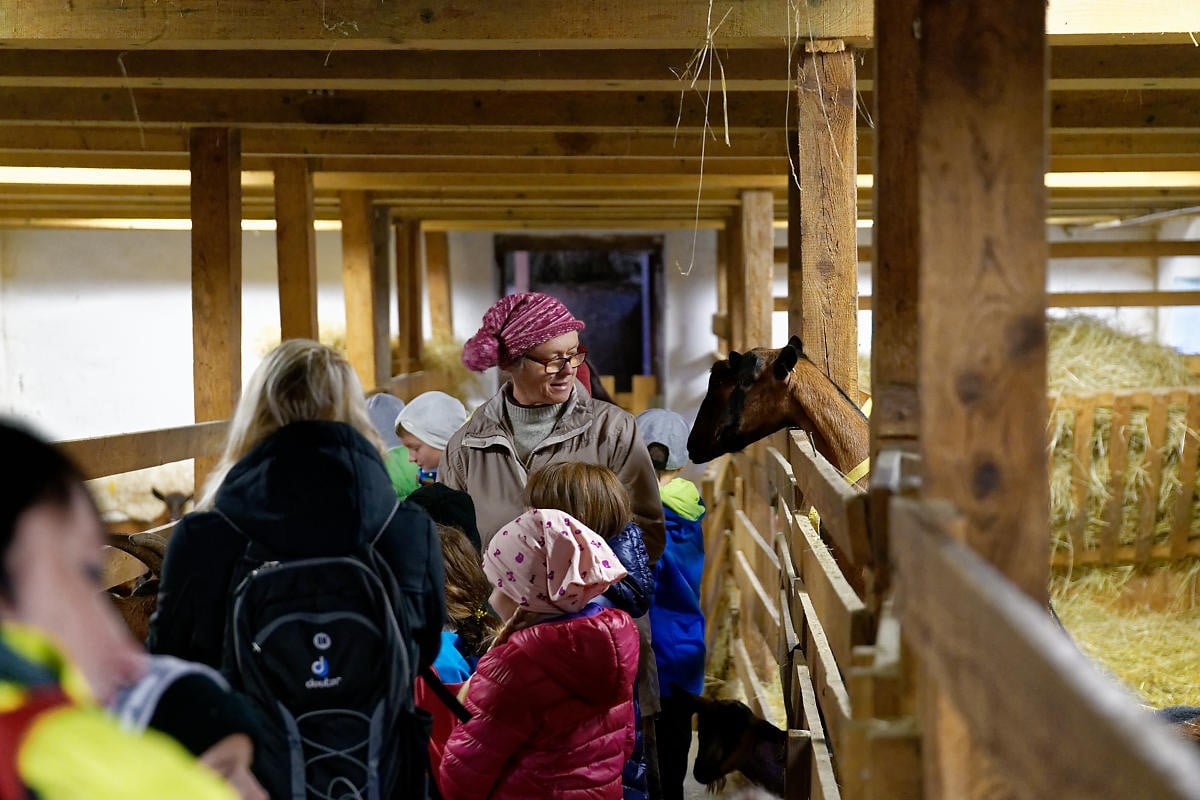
56,744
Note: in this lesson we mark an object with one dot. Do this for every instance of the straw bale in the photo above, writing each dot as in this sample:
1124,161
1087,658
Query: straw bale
1087,356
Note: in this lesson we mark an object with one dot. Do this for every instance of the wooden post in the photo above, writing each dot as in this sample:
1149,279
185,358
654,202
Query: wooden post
828,168
735,286
366,329
295,250
795,244
216,201
437,278
723,286
757,241
979,162
894,268
408,293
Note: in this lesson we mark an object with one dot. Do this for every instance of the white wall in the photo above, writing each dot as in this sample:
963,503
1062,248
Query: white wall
1180,327
96,326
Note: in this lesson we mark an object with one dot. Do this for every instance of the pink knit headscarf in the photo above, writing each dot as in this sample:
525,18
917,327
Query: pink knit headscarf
548,561
513,325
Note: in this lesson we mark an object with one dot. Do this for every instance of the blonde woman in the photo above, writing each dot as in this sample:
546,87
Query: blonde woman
302,466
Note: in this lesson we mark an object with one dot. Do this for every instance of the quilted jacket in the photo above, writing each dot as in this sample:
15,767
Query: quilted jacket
552,713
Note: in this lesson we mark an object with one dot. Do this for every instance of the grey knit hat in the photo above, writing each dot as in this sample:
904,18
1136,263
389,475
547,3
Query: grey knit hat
659,426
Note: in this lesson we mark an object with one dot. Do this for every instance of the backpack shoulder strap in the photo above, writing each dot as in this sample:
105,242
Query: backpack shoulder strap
444,694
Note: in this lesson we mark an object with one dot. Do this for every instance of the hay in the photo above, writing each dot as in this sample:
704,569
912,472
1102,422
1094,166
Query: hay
1143,627
1088,356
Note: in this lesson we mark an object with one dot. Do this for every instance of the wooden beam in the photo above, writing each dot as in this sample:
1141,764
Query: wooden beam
423,25
216,278
295,250
101,456
1148,299
735,288
1125,67
895,269
791,256
409,292
982,405
366,329
757,241
437,278
827,172
1019,679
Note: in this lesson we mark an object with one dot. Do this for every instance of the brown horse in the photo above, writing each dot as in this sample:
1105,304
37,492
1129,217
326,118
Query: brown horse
753,394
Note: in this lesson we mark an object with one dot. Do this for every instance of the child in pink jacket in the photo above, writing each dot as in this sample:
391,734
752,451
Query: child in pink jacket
552,701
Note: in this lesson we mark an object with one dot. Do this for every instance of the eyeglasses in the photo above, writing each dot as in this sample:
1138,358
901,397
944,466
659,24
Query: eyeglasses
555,365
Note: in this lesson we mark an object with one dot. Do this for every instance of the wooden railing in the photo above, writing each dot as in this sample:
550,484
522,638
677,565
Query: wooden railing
643,390
852,637
101,456
1142,508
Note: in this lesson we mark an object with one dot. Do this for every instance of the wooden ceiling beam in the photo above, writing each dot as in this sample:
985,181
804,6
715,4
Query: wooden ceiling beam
516,24
574,112
414,24
1160,66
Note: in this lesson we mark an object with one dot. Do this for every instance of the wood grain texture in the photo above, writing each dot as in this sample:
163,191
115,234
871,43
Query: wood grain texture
295,250
827,171
101,456
757,241
437,281
1020,684
216,212
409,292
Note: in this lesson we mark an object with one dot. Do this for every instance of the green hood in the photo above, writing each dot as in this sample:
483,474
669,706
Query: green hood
682,497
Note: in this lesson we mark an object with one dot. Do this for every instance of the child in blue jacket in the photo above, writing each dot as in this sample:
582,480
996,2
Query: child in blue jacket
676,619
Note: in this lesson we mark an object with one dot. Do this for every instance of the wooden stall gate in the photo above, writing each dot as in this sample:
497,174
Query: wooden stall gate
1021,685
845,680
104,456
1125,507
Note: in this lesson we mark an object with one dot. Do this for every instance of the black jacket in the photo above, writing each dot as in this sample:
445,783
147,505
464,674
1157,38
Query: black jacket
309,489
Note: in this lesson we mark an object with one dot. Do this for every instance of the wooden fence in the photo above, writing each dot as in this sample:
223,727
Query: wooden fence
848,651
1132,460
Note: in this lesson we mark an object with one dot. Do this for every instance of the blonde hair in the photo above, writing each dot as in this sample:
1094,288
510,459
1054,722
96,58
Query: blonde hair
589,492
467,591
300,380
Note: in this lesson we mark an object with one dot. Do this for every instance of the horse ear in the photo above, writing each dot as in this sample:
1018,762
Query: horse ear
786,360
158,494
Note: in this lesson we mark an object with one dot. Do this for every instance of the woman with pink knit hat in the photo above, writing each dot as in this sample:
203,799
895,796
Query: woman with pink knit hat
542,415
552,702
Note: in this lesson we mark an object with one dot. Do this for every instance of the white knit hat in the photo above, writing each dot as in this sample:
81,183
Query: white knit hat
432,417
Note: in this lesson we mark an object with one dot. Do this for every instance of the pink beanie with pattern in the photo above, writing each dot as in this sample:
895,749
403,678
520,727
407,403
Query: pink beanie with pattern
513,325
547,561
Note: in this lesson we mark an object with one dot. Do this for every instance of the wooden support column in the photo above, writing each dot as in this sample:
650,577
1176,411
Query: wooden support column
366,328
827,167
216,200
894,268
409,293
437,278
979,145
723,288
295,249
735,286
757,242
795,244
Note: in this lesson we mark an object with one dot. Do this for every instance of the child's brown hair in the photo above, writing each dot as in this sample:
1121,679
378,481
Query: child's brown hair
589,492
467,592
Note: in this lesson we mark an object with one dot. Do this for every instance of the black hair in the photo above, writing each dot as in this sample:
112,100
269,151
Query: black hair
43,474
658,455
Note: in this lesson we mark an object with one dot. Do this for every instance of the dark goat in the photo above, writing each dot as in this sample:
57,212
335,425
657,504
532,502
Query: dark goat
732,738
753,394
1185,719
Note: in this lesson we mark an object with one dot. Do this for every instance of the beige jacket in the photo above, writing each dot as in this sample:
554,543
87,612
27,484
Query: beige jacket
480,459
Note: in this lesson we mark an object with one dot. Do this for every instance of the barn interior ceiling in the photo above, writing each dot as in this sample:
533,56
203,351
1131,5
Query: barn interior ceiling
531,113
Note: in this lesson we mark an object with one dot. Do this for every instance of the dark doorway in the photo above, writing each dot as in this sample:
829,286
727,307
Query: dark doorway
608,282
